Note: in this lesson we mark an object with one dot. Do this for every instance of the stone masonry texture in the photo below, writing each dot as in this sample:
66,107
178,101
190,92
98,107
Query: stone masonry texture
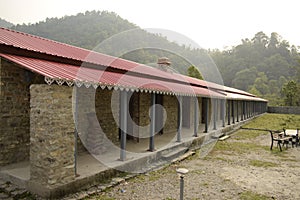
104,106
170,103
14,112
51,135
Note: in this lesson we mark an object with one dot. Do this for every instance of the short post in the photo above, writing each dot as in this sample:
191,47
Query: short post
181,172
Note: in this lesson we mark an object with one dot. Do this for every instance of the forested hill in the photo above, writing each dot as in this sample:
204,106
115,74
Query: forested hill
90,29
82,30
5,24
263,65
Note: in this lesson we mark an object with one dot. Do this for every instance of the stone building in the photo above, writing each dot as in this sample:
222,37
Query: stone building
61,104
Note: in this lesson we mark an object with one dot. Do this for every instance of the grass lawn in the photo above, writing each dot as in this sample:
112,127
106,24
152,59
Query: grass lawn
275,122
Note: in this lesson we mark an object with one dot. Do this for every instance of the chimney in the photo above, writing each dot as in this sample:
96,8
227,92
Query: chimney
164,64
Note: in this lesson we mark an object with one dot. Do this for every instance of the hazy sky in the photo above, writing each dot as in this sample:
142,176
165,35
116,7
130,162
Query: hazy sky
210,23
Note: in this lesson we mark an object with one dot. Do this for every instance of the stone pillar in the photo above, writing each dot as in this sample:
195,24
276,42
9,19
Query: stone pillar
51,136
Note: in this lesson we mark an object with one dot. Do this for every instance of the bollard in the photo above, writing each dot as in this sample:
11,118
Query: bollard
181,172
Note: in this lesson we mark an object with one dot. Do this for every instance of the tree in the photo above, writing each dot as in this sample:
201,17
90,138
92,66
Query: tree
291,92
261,83
194,72
244,78
5,24
271,55
261,38
274,41
273,86
254,91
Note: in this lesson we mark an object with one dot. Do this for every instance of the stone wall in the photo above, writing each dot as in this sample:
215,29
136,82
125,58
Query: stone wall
192,113
170,103
51,135
284,109
14,112
84,104
187,112
104,105
144,114
199,99
133,117
107,109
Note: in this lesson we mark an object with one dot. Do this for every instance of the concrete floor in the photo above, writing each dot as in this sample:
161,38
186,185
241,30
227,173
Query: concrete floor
89,166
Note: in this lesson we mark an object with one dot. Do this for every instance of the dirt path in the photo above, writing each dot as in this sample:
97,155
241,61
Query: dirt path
241,167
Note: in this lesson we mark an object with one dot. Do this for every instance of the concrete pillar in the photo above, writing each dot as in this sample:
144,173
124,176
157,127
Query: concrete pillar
179,118
215,113
196,117
123,123
206,114
253,108
242,113
152,123
247,109
228,112
223,111
243,108
237,110
232,107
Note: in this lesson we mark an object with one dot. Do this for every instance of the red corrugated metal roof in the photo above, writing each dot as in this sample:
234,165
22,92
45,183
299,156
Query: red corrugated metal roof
50,47
236,96
70,72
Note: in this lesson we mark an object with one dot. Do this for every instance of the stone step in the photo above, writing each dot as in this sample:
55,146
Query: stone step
184,156
224,137
174,154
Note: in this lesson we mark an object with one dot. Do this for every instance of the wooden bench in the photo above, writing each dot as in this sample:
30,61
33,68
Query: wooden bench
294,133
281,139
